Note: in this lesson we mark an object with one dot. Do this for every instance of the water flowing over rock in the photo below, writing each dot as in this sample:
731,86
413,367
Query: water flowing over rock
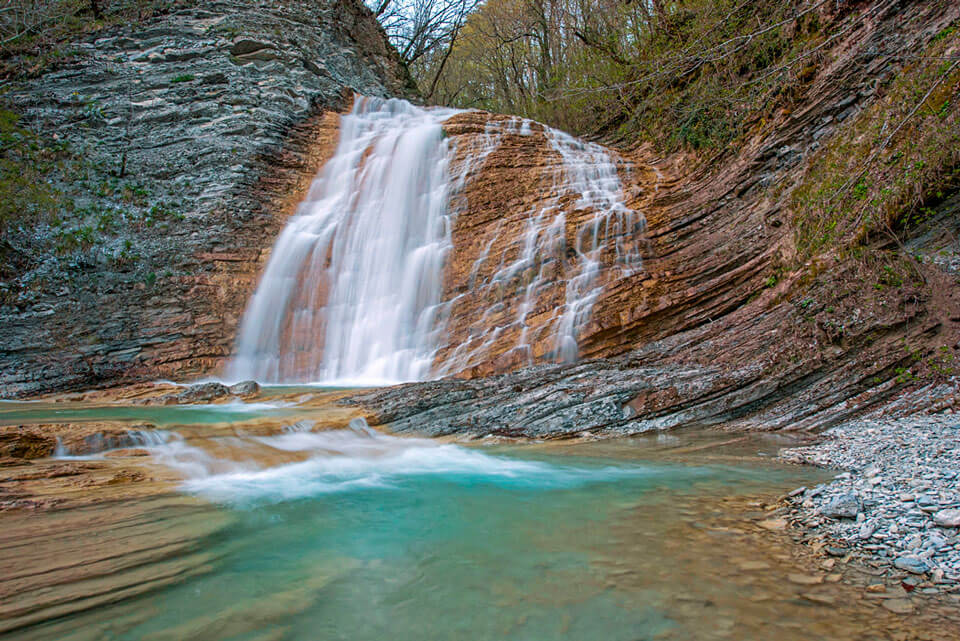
722,322
359,286
545,228
352,290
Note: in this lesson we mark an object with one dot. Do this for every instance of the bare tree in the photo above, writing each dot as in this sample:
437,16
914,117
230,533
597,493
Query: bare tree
419,28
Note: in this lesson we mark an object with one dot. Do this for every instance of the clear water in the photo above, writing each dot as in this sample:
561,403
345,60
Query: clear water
39,412
354,535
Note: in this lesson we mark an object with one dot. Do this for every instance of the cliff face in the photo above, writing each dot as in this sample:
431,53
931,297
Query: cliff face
731,320
699,303
544,224
189,140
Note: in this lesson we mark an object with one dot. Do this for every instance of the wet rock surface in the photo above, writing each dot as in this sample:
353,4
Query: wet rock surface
245,388
905,476
545,401
663,386
190,131
203,392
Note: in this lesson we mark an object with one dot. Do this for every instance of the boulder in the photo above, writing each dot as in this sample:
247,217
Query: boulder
203,392
245,388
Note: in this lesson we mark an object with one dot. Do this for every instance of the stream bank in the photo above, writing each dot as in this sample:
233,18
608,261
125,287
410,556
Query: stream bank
895,504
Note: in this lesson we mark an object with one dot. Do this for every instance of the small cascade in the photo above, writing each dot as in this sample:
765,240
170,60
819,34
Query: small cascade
297,464
354,290
99,443
590,172
541,268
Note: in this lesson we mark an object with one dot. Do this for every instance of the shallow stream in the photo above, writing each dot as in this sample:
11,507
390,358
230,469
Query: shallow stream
353,534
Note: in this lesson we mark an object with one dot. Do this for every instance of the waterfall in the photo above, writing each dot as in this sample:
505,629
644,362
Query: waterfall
353,291
589,172
583,190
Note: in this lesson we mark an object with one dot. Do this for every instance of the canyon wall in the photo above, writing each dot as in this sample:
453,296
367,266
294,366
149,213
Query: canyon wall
190,138
692,305
729,321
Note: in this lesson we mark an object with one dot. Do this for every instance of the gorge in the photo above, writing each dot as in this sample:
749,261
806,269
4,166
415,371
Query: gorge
289,352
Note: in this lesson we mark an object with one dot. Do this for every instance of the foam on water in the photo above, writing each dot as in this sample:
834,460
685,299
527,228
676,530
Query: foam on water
357,458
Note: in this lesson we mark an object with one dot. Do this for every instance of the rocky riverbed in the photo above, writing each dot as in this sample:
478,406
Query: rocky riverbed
896,502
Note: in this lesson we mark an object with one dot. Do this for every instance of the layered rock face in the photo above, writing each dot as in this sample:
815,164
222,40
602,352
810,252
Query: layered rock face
543,224
674,283
722,325
195,136
438,243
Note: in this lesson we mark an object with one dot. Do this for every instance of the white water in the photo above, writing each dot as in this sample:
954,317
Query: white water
244,470
353,290
585,180
97,444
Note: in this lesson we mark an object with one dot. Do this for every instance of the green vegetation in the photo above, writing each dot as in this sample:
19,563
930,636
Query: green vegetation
59,203
697,74
934,365
184,78
885,171
26,162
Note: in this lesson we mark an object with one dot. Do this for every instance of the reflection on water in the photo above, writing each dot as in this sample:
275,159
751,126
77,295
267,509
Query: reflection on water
350,534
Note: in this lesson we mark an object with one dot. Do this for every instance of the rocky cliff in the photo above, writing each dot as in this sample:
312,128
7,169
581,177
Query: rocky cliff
720,297
737,317
184,142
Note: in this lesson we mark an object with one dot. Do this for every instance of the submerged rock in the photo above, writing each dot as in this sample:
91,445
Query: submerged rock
898,606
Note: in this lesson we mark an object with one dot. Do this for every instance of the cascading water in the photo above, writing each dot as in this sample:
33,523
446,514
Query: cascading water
585,192
589,171
354,288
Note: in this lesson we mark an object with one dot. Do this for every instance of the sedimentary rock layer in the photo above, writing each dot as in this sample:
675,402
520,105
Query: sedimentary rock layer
724,324
195,133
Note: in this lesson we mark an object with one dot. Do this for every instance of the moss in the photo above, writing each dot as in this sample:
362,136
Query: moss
873,180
